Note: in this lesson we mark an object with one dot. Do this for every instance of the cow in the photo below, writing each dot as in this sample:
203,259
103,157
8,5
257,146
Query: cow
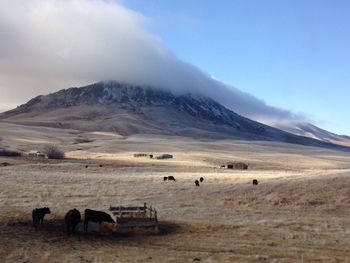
171,178
101,165
222,166
196,183
165,178
97,217
86,166
201,179
255,182
72,219
38,215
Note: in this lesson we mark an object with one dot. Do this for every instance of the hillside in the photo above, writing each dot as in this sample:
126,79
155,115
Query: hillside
128,110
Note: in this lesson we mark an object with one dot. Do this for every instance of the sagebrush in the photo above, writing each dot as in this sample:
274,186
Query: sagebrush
53,152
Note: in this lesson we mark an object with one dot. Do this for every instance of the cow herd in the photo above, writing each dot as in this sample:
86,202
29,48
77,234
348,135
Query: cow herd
197,182
73,218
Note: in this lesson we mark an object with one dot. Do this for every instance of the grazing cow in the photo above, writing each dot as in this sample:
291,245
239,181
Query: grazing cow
171,178
97,217
38,215
201,179
86,166
101,165
255,182
72,219
196,183
165,178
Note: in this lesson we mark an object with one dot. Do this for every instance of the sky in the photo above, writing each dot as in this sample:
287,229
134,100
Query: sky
271,61
293,54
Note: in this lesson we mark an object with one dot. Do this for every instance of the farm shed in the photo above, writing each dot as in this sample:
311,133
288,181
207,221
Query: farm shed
237,166
164,156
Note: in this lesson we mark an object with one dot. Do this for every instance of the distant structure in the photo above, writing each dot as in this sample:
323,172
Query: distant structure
140,155
164,156
137,155
36,153
237,166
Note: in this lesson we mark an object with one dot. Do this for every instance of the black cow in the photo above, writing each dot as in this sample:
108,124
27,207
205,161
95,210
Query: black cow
255,182
38,215
97,217
86,166
201,179
101,165
165,178
171,178
72,219
196,183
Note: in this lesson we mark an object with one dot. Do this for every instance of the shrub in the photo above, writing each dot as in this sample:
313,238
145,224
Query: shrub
53,152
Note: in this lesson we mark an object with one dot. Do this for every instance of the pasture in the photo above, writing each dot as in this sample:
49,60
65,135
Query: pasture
299,211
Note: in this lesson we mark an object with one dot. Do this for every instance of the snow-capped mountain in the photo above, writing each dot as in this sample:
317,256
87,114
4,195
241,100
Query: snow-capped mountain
127,110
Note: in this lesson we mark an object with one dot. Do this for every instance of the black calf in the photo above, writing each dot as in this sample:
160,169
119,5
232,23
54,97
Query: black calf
72,219
38,215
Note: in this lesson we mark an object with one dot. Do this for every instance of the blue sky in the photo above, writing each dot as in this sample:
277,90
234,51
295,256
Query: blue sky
292,54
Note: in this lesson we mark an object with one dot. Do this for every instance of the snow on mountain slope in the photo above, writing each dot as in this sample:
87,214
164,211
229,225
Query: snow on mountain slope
312,131
127,109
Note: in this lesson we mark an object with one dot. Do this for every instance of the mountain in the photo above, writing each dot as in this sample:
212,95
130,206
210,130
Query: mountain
309,130
127,110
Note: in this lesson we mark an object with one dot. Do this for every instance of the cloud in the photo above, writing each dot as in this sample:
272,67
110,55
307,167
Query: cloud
47,45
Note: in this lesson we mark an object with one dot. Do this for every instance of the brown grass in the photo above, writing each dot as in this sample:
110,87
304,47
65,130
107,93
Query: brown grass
300,216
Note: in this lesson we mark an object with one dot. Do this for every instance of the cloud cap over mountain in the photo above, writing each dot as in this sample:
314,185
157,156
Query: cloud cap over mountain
52,44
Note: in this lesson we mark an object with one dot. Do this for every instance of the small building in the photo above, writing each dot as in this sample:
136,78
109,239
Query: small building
237,166
164,156
36,153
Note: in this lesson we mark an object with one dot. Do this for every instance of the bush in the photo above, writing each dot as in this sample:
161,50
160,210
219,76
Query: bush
10,153
53,152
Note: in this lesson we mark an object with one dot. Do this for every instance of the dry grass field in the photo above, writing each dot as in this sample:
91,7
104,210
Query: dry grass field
299,212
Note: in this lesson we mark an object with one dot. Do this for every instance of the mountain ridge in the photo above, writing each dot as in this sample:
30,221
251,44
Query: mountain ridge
129,109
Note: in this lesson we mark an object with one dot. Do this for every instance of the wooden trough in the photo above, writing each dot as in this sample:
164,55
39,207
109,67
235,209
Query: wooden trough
131,217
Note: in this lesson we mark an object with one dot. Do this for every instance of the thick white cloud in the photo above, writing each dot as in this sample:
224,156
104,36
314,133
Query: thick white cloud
46,45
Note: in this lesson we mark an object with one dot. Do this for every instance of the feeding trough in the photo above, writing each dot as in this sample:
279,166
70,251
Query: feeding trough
135,217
